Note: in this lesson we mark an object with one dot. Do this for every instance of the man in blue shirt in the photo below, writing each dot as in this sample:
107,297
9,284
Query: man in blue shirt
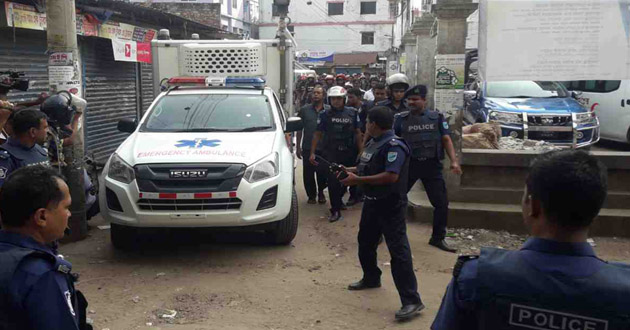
24,148
555,281
382,173
36,286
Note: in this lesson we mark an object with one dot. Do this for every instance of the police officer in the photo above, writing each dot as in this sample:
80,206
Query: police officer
24,146
310,114
382,173
555,281
340,128
427,133
398,83
36,284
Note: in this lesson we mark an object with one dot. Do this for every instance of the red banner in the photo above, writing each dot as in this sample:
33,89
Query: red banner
144,52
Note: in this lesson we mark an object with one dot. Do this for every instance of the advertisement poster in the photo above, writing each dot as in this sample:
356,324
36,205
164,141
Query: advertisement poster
449,82
61,73
554,40
449,71
315,56
131,51
23,16
85,27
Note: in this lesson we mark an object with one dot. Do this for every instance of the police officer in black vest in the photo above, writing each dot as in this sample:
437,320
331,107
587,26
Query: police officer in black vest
24,146
382,173
340,128
555,281
427,133
397,83
36,284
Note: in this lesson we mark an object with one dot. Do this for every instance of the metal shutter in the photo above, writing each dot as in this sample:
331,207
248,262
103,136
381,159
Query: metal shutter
146,70
110,91
27,54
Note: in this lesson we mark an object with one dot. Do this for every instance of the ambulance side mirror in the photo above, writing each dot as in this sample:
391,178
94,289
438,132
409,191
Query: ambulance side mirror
293,124
127,125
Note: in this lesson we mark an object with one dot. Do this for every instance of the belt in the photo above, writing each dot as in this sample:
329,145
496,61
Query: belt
370,198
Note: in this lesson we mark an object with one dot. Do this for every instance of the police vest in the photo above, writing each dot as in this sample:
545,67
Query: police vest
372,162
515,295
27,157
9,262
422,133
340,126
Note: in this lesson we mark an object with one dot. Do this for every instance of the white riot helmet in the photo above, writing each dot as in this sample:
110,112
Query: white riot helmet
398,78
337,91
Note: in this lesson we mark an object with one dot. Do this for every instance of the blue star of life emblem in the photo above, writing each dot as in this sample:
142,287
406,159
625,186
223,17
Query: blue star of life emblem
197,143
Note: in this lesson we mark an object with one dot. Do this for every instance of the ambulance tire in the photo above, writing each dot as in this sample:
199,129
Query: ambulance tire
285,230
123,237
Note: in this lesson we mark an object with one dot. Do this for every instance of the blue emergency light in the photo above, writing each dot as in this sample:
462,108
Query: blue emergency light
257,82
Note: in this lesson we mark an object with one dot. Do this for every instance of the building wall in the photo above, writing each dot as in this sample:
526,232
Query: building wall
316,30
205,13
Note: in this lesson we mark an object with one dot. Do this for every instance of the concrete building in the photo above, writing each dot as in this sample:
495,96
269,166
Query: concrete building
234,16
338,26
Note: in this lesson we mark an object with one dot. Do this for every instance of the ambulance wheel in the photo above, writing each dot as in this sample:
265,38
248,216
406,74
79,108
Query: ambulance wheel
284,231
123,237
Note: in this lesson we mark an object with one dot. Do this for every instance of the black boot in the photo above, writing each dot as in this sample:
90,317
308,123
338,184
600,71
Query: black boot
335,216
362,285
441,244
408,311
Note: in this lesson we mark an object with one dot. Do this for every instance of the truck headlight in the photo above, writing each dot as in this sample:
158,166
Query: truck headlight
264,169
584,117
505,117
120,171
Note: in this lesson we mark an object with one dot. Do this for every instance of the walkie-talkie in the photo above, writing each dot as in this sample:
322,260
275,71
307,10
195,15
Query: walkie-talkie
333,167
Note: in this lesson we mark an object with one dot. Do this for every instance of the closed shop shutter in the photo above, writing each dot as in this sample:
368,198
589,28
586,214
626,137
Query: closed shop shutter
27,54
110,91
146,85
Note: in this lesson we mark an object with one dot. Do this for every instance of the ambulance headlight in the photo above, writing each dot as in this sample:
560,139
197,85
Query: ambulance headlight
120,171
264,169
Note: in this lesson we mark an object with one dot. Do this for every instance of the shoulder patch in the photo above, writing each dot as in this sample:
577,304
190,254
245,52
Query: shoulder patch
3,172
461,260
445,125
4,154
391,156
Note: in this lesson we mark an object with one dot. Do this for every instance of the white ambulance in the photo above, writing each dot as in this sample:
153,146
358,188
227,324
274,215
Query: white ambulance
211,149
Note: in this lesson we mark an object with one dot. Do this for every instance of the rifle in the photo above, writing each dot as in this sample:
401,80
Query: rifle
332,167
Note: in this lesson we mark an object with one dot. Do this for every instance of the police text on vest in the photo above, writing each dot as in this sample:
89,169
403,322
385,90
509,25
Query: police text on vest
544,319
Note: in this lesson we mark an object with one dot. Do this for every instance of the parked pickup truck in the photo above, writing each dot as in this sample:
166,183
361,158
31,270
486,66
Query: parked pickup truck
534,110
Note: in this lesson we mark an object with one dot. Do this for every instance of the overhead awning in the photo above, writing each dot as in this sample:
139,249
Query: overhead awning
356,58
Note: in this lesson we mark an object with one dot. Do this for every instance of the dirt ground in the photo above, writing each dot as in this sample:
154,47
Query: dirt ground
204,280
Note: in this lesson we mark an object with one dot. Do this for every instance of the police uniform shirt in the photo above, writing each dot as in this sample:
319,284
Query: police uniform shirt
570,260
38,292
394,154
20,157
388,103
322,120
442,123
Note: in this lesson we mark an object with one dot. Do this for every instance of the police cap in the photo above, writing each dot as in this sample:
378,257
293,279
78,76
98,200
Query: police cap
420,90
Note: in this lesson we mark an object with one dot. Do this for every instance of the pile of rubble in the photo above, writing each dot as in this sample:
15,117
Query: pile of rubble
470,241
510,143
488,136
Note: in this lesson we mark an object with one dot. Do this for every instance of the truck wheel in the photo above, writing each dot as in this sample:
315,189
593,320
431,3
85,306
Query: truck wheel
284,231
123,237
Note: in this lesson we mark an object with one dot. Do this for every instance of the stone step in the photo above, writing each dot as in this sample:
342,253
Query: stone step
615,200
508,217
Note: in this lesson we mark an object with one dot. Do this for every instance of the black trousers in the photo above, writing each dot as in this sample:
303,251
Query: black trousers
309,172
387,217
430,173
336,190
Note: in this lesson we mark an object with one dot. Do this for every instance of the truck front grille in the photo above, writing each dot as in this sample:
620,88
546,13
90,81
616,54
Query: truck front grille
189,204
549,120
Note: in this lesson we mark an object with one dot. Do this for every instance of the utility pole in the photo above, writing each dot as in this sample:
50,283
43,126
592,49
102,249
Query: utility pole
64,74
